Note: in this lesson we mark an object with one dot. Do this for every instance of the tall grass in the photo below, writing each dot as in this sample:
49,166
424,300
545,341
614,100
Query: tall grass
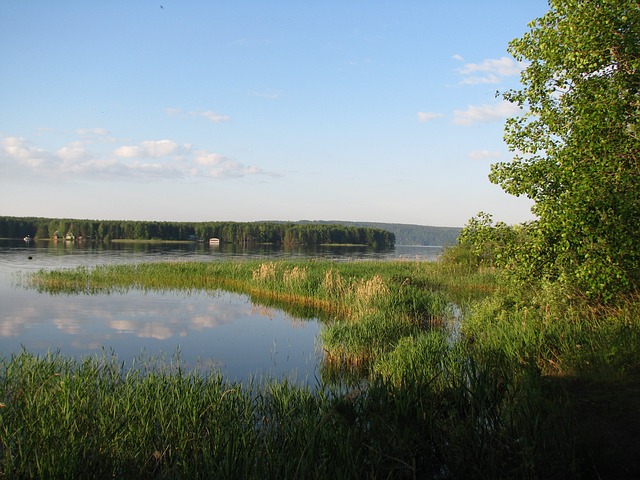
484,404
571,341
94,418
369,307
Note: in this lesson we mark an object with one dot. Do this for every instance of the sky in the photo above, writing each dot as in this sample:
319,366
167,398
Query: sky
180,110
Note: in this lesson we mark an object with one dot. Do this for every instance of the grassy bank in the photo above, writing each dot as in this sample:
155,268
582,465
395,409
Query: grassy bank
516,393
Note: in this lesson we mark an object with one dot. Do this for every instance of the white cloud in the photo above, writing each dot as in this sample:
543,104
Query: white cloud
427,116
208,114
457,57
479,80
74,152
127,151
489,71
149,149
485,113
208,159
94,135
18,150
485,155
160,159
212,116
270,94
218,166
93,131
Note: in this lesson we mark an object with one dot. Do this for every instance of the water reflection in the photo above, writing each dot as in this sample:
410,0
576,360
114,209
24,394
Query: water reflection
225,329
148,251
221,329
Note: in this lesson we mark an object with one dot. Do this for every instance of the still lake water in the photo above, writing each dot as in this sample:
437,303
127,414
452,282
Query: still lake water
218,329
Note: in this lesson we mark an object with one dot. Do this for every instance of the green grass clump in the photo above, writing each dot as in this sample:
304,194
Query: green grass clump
361,343
426,357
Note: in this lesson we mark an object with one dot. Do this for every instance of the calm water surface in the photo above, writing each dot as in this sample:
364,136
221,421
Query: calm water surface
218,329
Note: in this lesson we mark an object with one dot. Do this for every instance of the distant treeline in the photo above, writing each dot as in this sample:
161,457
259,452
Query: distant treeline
408,234
227,232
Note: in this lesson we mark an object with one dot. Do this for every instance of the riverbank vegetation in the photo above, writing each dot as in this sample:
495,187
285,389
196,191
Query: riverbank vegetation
408,391
380,300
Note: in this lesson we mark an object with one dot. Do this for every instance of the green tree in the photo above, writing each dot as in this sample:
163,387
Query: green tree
42,231
577,144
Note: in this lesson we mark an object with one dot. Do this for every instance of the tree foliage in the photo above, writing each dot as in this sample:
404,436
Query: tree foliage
576,145
229,232
482,242
406,234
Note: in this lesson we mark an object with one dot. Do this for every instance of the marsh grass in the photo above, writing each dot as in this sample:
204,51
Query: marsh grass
490,401
367,306
568,341
64,418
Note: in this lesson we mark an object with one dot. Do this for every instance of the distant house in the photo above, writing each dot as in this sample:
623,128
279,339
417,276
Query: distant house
214,241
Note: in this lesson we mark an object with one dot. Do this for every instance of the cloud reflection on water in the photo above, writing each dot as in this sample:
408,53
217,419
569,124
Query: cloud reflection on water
222,325
147,315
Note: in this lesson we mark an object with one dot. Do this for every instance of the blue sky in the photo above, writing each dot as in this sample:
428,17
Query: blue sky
381,111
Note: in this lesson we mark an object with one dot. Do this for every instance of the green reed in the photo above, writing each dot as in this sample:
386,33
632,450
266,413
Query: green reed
567,341
95,418
483,404
369,306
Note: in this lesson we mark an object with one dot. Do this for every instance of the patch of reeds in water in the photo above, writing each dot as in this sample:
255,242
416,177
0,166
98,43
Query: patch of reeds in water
367,306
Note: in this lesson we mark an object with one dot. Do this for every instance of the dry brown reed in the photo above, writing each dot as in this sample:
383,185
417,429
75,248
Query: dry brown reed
265,272
366,291
333,284
339,358
295,276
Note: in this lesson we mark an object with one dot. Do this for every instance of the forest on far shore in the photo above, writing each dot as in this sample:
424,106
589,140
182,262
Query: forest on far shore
405,233
291,233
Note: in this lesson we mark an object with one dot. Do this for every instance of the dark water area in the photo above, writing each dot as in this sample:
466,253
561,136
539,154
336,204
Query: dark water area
219,329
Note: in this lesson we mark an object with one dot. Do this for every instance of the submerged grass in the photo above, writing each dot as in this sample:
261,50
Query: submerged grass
514,392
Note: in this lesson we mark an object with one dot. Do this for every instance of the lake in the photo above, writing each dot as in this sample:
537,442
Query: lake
220,330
